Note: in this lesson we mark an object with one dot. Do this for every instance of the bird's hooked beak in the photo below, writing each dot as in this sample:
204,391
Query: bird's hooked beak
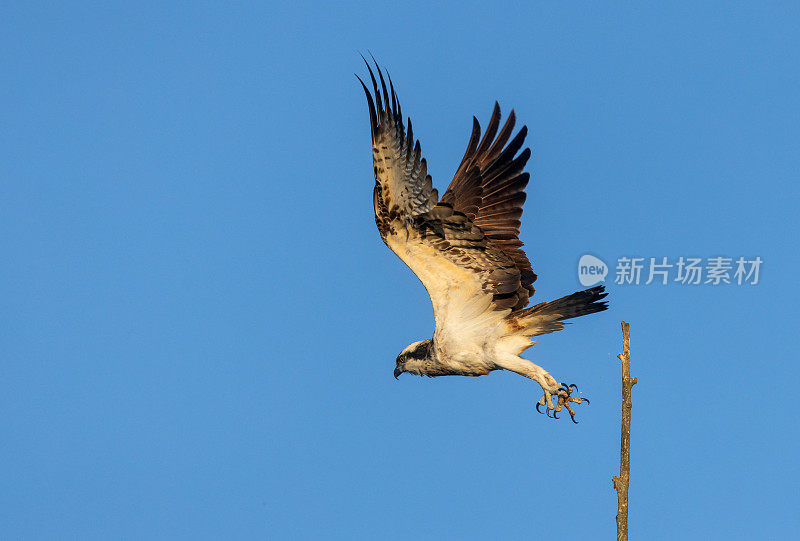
397,372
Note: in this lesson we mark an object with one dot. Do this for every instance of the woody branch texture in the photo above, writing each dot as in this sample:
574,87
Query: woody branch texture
621,482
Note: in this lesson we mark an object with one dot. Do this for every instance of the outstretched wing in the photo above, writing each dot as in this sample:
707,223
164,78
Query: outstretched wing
489,188
472,279
403,187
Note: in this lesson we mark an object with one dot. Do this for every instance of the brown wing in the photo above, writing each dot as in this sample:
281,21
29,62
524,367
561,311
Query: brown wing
403,187
452,256
489,188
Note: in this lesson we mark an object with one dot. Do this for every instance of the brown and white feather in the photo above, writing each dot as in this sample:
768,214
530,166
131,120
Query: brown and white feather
465,249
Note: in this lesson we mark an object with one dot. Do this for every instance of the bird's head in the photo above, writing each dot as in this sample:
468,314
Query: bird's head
413,357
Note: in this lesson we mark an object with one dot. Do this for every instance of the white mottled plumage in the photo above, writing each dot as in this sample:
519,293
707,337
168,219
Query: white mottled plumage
465,249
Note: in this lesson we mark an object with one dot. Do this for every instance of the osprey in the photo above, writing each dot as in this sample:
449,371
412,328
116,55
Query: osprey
465,249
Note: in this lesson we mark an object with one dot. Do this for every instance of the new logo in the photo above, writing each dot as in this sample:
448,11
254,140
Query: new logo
591,270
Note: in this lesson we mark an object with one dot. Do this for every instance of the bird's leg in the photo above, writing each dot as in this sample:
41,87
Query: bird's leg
526,368
552,389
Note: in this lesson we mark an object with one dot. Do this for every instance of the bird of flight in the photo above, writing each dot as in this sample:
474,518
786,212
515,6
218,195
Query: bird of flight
465,249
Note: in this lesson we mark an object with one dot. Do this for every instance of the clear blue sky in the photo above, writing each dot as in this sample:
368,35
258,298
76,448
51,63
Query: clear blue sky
200,321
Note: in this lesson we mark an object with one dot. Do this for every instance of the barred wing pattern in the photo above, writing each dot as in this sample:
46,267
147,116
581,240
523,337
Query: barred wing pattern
465,249
403,187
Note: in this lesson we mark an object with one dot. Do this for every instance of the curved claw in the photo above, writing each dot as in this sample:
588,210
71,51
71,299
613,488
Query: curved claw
564,394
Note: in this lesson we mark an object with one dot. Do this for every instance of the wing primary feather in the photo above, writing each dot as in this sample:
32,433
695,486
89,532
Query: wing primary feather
519,139
373,124
491,130
383,84
517,183
502,137
410,138
395,100
473,139
468,185
514,145
378,103
505,174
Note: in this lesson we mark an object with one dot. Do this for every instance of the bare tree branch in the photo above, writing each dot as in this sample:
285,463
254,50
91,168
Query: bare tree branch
621,482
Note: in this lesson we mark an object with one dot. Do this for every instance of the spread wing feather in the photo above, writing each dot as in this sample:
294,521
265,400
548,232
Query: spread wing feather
464,249
467,256
403,187
489,188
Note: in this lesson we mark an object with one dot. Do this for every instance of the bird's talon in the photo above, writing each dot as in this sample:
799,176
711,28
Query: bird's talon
564,395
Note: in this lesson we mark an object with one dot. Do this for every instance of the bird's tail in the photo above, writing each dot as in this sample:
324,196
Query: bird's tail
547,317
